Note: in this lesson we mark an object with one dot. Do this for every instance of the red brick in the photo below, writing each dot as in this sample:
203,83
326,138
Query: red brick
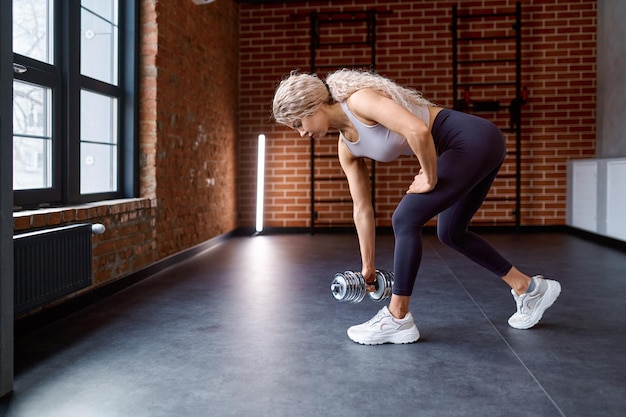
414,47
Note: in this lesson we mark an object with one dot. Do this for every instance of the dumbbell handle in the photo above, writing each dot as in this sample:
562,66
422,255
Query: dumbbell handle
335,287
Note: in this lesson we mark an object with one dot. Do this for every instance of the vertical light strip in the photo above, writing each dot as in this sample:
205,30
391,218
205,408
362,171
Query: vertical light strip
260,183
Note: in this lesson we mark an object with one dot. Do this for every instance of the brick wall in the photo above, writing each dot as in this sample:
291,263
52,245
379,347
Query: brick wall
414,48
191,148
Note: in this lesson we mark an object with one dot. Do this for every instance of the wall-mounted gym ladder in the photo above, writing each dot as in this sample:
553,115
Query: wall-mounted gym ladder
486,63
345,39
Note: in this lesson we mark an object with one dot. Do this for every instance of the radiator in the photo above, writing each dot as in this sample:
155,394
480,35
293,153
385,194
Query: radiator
52,263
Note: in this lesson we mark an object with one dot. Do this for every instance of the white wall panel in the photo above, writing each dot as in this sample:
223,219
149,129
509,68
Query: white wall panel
616,199
584,195
596,196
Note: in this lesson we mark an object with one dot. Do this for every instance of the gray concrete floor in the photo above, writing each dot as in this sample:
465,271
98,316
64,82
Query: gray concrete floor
249,328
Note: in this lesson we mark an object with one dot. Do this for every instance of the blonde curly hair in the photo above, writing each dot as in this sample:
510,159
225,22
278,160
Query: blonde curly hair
300,95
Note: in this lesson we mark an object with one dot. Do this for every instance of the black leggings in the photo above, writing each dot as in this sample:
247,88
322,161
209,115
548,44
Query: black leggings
471,150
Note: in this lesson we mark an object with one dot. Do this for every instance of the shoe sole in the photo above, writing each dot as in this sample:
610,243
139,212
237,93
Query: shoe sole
401,339
553,292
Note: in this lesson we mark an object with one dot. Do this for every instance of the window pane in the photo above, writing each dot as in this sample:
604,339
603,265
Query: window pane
107,9
33,25
98,168
98,133
99,40
98,117
32,139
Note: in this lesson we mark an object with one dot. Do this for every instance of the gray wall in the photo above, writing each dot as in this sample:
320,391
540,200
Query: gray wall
611,107
6,200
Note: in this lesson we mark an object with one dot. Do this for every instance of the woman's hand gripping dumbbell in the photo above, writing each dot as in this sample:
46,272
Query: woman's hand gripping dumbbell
350,286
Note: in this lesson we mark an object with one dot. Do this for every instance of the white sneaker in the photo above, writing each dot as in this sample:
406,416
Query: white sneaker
385,328
531,306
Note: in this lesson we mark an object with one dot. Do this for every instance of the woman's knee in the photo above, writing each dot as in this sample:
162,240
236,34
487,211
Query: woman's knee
399,220
450,237
407,217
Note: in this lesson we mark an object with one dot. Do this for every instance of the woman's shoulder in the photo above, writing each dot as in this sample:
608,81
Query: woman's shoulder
365,94
364,100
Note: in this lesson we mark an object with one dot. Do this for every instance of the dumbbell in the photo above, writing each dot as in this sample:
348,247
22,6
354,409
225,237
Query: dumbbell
350,286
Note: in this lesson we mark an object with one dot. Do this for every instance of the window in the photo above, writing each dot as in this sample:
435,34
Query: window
32,137
74,110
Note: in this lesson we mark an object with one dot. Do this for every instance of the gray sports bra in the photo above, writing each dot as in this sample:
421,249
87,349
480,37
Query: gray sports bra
376,141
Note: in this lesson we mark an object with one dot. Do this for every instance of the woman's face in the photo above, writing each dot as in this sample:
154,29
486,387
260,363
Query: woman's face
313,126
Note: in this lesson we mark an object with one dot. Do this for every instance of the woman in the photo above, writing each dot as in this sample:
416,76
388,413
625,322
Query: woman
459,156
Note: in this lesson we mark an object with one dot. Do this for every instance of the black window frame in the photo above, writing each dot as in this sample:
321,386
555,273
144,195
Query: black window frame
66,82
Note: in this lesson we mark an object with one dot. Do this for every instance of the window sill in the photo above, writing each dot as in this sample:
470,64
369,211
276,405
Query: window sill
58,216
